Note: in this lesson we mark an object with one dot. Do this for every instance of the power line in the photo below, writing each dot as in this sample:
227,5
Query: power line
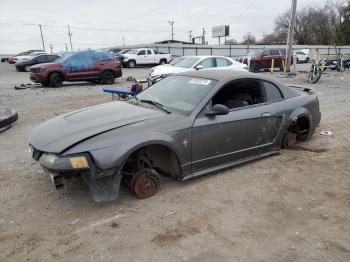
243,12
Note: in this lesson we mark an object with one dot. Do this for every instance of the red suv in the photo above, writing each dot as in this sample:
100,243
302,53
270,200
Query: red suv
263,59
78,66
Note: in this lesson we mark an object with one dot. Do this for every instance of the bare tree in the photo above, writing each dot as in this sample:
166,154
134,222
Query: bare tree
249,39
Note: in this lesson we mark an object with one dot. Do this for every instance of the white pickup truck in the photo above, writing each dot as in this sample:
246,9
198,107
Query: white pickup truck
144,56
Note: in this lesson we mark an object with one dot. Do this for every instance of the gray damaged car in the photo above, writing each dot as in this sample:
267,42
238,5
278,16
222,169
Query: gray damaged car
186,125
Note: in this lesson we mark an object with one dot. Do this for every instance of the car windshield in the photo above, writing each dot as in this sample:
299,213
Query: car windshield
182,93
187,62
63,58
254,53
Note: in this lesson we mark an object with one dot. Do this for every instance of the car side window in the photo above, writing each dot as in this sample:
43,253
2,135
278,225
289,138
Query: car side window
273,93
265,53
274,52
141,52
41,59
149,52
207,63
221,62
240,93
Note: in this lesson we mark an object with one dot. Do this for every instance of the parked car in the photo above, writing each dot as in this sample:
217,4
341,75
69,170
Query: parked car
189,63
118,54
39,59
302,55
11,58
21,58
144,56
262,59
78,66
187,125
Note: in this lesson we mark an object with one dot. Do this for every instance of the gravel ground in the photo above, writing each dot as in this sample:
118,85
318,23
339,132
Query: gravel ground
291,207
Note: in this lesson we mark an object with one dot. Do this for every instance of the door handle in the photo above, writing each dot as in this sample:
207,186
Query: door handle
267,114
101,63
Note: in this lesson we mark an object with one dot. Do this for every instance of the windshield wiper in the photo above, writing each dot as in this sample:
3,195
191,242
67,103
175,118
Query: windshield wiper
159,105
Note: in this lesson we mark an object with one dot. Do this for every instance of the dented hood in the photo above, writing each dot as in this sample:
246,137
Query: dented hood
62,132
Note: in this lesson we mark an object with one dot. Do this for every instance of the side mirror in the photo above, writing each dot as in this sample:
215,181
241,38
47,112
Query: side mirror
198,67
218,109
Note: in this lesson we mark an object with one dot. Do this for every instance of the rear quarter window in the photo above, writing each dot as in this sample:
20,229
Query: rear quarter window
273,93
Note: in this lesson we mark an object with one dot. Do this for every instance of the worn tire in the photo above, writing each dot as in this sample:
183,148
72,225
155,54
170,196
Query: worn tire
55,80
107,78
131,64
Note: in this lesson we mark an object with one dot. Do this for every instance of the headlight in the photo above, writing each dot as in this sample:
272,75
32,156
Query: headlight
57,163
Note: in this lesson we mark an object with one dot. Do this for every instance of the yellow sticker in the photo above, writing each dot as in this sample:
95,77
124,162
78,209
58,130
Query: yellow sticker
79,162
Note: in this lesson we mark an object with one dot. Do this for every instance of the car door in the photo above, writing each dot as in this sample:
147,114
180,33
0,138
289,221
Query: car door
246,130
150,57
276,55
266,59
141,57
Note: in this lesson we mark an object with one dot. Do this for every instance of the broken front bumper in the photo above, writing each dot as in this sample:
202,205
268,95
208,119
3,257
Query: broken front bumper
103,184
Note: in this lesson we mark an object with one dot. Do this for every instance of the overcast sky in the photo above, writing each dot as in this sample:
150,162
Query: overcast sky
103,23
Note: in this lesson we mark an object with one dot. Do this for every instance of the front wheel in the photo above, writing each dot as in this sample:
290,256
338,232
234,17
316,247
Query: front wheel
131,64
27,68
56,80
313,77
107,78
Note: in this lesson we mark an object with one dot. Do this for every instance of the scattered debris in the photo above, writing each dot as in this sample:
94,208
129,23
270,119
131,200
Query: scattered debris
326,133
74,222
26,86
170,213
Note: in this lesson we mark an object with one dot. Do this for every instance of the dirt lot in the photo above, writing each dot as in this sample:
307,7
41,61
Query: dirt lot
291,207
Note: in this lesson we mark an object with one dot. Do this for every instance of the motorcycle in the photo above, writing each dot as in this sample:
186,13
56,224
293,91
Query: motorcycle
315,72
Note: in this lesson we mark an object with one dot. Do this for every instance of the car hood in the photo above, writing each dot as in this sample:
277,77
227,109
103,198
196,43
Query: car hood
44,65
168,69
59,133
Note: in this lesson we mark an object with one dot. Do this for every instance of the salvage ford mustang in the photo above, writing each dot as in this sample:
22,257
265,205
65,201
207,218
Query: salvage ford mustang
186,125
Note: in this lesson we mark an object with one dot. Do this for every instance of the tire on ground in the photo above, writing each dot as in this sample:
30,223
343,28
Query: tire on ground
107,78
55,80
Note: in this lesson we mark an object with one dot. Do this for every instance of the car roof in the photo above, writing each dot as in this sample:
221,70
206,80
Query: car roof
224,76
204,56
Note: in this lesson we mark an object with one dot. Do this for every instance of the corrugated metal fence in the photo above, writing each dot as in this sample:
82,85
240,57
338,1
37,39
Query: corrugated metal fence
234,50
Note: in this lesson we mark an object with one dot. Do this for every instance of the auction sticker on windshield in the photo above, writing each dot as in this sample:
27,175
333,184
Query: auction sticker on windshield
199,81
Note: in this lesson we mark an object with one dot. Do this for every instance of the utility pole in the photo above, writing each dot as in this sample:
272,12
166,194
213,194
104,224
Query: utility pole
123,41
66,46
70,38
290,34
190,36
171,23
51,47
42,37
203,37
